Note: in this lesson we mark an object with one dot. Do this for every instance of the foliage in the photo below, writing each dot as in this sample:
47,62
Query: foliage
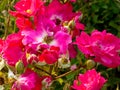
102,14
7,22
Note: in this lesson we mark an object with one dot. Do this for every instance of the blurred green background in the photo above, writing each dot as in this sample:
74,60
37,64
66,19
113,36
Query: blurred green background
100,14
7,22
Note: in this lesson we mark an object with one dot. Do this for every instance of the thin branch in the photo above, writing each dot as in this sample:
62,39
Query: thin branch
42,70
62,75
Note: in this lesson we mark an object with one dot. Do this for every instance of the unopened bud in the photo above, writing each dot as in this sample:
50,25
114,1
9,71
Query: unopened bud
71,24
19,67
90,64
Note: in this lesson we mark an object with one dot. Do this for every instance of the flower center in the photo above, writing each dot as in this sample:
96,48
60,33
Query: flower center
29,11
48,39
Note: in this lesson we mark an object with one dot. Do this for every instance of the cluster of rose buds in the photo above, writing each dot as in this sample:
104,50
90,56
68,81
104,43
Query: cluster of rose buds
47,36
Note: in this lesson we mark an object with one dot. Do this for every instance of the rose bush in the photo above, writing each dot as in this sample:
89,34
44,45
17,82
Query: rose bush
51,50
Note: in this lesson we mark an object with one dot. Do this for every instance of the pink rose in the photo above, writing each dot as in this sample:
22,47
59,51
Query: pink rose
104,47
91,80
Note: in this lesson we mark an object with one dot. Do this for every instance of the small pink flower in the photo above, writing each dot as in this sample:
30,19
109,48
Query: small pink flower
27,7
25,10
58,12
91,80
28,81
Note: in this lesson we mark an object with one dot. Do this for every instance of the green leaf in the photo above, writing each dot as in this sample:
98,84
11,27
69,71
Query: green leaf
60,80
113,81
19,67
71,76
95,19
114,25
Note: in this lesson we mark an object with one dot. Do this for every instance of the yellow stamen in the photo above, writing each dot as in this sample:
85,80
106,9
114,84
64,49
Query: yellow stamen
29,11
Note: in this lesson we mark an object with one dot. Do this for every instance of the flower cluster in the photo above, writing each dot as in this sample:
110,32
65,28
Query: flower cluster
46,38
44,31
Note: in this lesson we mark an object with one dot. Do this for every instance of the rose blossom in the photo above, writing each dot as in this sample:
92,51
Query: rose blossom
27,7
91,80
103,46
13,49
58,12
28,81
